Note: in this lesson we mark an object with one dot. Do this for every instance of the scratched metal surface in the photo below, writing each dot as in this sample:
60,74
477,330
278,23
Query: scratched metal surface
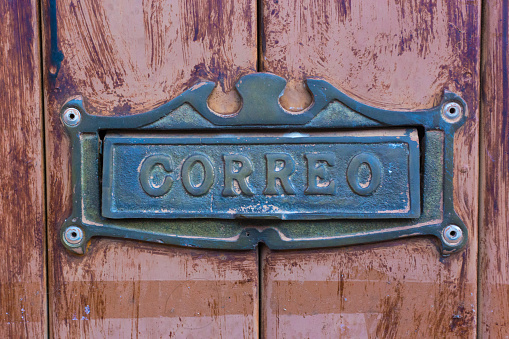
278,176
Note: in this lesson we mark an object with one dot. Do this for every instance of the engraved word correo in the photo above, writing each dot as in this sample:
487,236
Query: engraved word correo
279,169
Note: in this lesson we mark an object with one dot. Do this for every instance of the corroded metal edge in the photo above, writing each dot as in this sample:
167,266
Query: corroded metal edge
438,126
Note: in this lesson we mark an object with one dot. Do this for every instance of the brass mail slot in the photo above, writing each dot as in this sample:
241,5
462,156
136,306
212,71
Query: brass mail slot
338,173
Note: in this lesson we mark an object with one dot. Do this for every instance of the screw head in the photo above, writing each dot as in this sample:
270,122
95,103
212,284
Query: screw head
452,111
71,117
73,235
452,235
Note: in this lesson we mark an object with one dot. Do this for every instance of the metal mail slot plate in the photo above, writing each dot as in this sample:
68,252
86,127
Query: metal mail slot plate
340,175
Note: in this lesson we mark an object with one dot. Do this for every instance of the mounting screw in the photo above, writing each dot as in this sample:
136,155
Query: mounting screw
452,111
72,117
73,236
452,235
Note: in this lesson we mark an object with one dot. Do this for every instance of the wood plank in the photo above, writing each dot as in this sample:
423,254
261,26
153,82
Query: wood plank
22,211
125,57
393,55
494,238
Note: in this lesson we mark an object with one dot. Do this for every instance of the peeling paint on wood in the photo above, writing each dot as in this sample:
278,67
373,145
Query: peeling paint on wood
130,57
393,290
22,240
494,238
125,57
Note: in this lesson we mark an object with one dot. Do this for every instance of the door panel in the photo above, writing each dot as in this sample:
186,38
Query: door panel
22,227
494,208
126,57
395,56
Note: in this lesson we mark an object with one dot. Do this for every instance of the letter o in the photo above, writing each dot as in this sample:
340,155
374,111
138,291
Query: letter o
352,173
208,174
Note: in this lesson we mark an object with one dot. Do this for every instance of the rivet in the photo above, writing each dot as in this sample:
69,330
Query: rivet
73,235
452,235
72,117
452,111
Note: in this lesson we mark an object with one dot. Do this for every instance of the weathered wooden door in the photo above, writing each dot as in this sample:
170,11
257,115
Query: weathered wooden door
126,57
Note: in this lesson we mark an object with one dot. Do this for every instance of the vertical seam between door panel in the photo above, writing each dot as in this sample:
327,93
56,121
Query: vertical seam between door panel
260,289
40,6
480,179
260,46
260,36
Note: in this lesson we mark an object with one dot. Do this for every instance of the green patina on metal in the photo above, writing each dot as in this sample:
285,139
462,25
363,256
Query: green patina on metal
184,175
170,176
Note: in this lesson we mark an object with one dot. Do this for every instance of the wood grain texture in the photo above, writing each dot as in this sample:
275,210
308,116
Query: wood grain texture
22,230
393,55
494,237
125,57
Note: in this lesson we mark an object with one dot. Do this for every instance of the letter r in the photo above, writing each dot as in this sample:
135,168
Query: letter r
283,174
240,176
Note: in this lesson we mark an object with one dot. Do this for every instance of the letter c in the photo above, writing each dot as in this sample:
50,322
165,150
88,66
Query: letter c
147,169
